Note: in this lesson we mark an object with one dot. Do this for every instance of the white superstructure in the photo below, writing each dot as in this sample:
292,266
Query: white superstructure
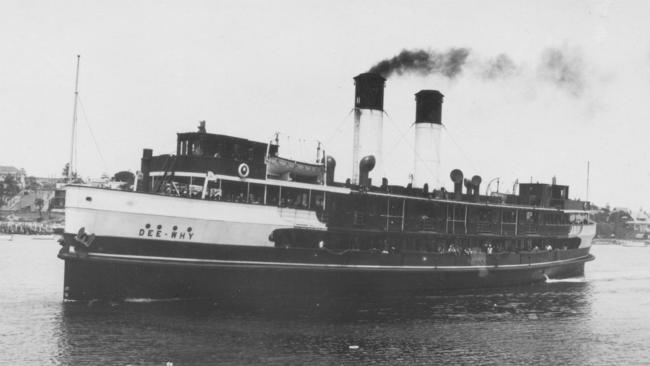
113,213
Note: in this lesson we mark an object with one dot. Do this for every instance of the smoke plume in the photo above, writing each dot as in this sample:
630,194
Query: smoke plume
448,64
501,66
560,67
563,68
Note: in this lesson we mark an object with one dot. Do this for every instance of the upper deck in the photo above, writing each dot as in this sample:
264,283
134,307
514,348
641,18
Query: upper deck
234,161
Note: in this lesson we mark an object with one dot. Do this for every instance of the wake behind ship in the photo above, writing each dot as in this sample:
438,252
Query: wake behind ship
226,216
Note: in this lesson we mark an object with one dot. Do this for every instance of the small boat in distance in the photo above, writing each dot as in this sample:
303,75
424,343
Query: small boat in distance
6,237
226,216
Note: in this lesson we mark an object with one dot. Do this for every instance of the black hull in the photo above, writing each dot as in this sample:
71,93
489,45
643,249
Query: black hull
119,276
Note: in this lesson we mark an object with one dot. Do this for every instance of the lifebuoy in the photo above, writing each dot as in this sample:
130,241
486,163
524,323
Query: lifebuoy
243,170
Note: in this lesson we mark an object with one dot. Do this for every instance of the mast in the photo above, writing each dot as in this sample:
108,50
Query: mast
74,121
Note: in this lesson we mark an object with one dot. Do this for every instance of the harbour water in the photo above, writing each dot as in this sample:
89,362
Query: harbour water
602,319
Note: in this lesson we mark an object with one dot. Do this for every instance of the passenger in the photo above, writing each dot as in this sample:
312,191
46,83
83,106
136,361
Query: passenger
489,248
272,200
304,200
549,247
385,247
319,202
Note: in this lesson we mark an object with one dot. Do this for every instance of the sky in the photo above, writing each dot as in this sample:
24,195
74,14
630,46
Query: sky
543,87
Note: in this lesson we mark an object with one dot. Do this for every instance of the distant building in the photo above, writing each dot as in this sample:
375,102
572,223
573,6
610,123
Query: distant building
19,174
640,222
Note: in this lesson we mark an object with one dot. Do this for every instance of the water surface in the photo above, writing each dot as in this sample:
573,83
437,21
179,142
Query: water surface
601,319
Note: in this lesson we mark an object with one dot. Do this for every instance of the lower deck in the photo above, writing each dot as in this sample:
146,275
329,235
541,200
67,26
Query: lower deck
315,257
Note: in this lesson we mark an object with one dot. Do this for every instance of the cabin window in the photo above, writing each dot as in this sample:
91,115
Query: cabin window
256,193
529,217
509,216
294,198
458,213
438,211
195,187
416,209
234,191
272,195
485,215
553,219
395,207
317,201
237,154
197,150
394,218
182,188
213,190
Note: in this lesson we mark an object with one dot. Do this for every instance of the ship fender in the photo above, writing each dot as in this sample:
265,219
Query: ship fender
243,170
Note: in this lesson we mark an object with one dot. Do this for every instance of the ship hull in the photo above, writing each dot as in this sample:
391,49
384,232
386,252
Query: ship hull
230,272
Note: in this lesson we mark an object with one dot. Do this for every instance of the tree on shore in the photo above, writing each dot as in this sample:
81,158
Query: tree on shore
75,177
124,176
9,187
39,203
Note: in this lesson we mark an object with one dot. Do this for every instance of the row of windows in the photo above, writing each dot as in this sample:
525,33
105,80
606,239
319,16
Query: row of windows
392,244
370,207
242,192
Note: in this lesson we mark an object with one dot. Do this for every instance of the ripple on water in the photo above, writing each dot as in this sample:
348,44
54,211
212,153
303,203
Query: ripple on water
598,320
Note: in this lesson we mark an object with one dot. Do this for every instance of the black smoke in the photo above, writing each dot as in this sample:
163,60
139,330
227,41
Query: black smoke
561,67
564,69
421,62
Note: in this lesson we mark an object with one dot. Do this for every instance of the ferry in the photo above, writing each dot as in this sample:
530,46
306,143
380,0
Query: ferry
226,216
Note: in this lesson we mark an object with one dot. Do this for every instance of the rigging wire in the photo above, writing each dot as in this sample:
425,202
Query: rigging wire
338,128
99,151
459,148
438,182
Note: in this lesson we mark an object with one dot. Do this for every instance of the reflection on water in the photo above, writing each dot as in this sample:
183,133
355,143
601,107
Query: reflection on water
505,325
600,319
